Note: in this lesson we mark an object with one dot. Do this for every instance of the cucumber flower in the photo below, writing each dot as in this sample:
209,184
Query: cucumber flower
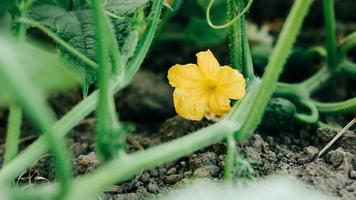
205,89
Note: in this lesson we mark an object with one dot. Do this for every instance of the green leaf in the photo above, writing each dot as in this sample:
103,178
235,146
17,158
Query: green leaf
199,32
78,29
124,6
46,70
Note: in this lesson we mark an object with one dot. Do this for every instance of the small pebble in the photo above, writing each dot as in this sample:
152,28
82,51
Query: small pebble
145,177
308,154
171,179
127,196
352,174
141,189
154,172
335,157
172,170
207,171
152,187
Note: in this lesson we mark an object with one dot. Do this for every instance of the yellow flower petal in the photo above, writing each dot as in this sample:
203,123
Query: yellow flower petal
208,64
230,83
218,104
186,76
190,103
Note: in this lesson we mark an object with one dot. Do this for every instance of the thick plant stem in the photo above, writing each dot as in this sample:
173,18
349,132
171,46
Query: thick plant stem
13,133
104,138
330,31
84,108
275,65
235,49
230,158
240,54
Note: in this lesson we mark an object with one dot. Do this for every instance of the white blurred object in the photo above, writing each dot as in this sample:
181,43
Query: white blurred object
270,188
259,35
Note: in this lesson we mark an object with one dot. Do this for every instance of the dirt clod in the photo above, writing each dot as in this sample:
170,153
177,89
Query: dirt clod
200,160
335,157
153,187
308,154
171,179
86,163
209,171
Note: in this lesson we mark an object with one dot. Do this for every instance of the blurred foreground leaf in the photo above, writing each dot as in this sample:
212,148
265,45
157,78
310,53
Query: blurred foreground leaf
269,188
46,70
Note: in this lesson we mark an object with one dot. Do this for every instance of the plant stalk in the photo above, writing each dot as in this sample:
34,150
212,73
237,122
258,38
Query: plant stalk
104,137
230,159
330,31
275,65
13,133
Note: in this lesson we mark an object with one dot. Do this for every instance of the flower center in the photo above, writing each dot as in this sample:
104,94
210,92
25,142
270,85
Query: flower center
212,87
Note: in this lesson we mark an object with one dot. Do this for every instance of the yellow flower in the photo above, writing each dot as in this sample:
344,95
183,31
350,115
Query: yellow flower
206,88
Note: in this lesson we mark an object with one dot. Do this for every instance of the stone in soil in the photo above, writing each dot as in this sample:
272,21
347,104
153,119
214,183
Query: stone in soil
208,171
308,154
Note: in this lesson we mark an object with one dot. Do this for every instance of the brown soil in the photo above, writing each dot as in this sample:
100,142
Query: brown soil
284,151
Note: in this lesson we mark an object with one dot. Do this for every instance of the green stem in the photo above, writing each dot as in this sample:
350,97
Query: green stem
168,15
347,44
348,68
240,53
243,11
61,42
234,37
290,91
104,139
20,29
27,157
230,159
275,65
13,133
321,124
20,87
317,81
312,117
330,31
115,54
348,106
146,40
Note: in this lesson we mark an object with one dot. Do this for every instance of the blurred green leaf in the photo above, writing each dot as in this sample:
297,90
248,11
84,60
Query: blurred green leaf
201,34
46,70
